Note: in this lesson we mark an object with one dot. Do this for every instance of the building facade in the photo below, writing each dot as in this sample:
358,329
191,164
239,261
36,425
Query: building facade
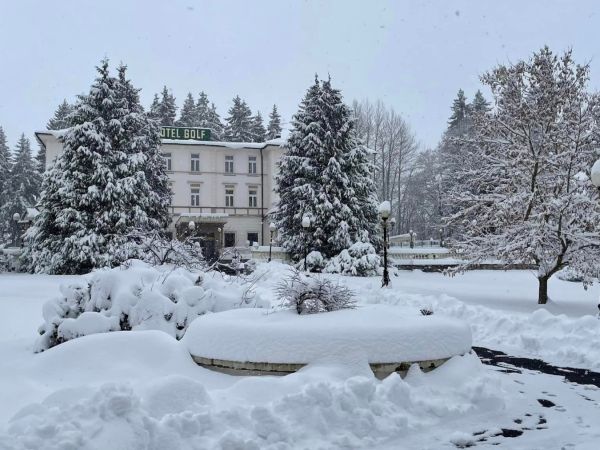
225,188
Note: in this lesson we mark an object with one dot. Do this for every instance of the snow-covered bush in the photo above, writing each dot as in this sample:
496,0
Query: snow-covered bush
156,249
314,262
360,260
313,294
570,274
137,296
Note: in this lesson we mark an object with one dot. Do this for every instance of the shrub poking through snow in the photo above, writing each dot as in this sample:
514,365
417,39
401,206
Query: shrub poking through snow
313,294
426,311
137,296
360,260
157,250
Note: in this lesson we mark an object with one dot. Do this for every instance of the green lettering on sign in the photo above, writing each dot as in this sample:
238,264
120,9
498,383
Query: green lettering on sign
185,133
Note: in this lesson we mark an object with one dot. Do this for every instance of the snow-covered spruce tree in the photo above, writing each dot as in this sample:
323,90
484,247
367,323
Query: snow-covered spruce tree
325,174
142,140
6,162
528,199
456,152
59,121
258,129
274,127
188,116
208,117
214,123
97,192
202,110
22,187
239,122
164,108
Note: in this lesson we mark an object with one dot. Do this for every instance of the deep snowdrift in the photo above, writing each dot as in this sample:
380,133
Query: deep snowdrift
141,390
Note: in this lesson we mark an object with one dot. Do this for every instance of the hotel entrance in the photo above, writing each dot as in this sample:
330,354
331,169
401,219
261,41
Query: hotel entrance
207,231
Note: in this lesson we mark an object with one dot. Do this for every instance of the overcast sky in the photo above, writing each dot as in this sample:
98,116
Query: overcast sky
413,55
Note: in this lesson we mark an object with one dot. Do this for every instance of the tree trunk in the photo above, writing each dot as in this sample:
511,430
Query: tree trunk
543,290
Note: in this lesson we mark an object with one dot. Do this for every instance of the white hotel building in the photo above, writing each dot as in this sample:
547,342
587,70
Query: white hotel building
225,188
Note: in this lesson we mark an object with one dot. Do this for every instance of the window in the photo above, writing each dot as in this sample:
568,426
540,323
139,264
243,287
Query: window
251,164
229,239
195,195
252,197
229,164
228,196
195,162
167,157
252,237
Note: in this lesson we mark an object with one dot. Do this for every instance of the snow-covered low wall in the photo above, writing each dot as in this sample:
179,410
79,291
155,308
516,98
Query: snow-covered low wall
375,334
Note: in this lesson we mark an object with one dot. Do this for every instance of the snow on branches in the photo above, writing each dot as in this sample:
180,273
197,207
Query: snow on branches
313,294
325,174
523,199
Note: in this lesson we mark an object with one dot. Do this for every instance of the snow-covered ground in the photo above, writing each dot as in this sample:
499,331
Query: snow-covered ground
125,390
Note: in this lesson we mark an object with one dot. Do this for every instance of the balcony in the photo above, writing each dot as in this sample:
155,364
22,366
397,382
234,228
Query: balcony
231,211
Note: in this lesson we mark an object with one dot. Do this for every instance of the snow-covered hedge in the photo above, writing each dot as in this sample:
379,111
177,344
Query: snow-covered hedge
360,259
137,296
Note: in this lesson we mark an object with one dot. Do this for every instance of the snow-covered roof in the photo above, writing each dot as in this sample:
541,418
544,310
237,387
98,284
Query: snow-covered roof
233,145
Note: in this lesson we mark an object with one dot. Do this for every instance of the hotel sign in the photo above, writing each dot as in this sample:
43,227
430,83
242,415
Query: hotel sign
185,133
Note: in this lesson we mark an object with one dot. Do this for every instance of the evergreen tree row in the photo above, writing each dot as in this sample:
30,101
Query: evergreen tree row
239,126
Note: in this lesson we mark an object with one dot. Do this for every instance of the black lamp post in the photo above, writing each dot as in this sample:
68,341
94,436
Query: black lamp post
595,177
17,235
305,226
384,212
272,229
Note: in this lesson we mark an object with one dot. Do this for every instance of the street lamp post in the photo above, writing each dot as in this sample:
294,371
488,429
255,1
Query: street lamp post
272,229
412,238
305,226
595,177
384,212
16,237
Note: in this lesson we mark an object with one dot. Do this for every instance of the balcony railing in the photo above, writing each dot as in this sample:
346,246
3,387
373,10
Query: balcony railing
231,210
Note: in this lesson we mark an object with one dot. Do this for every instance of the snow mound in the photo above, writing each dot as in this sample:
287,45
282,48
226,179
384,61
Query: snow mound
380,334
555,338
138,296
360,259
304,410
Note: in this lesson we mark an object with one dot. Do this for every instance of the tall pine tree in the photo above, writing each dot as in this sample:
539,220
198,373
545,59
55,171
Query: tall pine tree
6,161
213,122
258,129
164,108
202,109
274,127
21,189
188,117
239,122
97,193
325,174
208,117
